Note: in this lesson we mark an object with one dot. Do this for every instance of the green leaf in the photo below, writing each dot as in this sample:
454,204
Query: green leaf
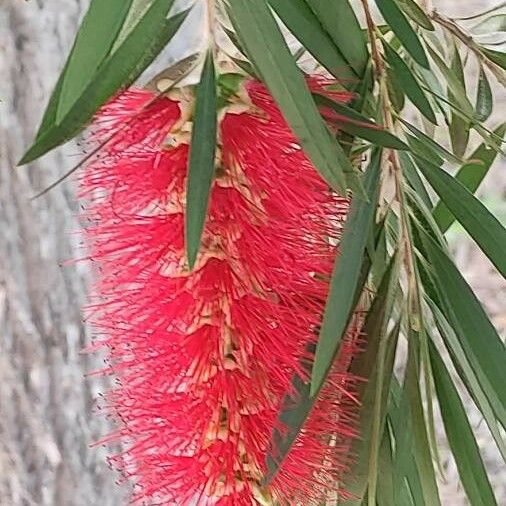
415,13
430,144
484,97
148,37
346,275
460,436
414,179
201,159
459,127
486,399
401,27
267,48
422,454
498,57
303,23
296,408
483,227
409,84
94,40
375,366
340,22
478,337
496,23
471,174
395,91
358,125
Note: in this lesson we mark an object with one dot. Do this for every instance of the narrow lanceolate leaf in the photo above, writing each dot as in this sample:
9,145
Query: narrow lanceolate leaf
498,57
340,22
485,398
358,125
471,174
479,222
416,13
479,339
430,144
473,474
267,48
201,159
484,97
375,367
409,84
94,40
421,444
119,69
496,23
303,23
459,127
404,31
346,275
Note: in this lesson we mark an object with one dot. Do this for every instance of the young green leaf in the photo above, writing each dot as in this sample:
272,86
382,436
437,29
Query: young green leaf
303,23
421,446
375,366
496,23
460,436
201,159
485,398
477,336
340,22
358,125
267,48
401,27
459,127
416,13
149,36
483,227
346,275
484,97
94,40
471,174
498,57
430,144
409,84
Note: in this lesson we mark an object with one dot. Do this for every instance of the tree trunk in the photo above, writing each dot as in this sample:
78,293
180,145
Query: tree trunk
48,406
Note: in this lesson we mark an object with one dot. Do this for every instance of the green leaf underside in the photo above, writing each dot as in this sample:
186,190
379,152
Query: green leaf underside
94,40
479,222
346,275
146,39
421,445
266,46
416,14
471,174
340,22
459,127
460,436
201,165
303,23
401,27
485,398
484,97
358,125
409,84
478,337
375,366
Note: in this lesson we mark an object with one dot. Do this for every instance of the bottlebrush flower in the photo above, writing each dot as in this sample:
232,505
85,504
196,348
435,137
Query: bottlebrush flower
203,359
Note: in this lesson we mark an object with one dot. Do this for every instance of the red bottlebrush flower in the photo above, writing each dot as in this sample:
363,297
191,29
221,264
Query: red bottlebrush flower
203,359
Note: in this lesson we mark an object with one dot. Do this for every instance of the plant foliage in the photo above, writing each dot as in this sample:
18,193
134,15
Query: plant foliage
410,73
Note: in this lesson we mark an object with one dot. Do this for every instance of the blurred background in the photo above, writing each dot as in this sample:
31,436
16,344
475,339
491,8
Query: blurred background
49,408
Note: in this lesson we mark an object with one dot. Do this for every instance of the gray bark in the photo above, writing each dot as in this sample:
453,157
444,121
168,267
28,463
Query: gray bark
48,407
